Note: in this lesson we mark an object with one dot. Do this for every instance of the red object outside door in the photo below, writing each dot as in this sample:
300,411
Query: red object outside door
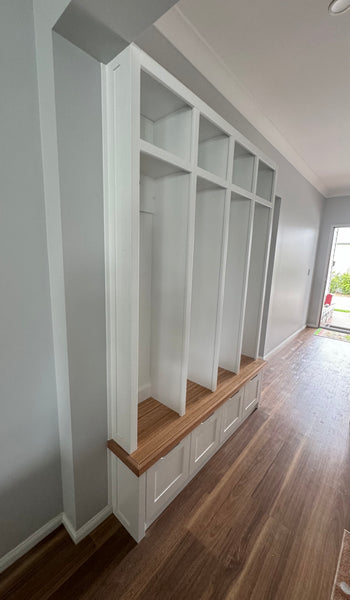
328,299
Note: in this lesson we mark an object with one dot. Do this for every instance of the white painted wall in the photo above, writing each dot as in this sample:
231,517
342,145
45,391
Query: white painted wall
301,206
80,496
30,475
336,213
45,16
79,129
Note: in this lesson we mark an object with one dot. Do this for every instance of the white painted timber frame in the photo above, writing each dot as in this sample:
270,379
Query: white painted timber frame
123,147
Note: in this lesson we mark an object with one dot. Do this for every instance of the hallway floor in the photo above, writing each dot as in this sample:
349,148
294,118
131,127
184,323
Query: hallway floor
264,518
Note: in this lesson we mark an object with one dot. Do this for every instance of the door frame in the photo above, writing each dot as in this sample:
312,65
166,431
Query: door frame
326,268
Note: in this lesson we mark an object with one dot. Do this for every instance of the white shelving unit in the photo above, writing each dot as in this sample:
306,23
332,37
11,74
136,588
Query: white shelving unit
188,205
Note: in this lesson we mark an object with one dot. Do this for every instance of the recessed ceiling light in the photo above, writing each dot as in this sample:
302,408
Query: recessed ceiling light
337,7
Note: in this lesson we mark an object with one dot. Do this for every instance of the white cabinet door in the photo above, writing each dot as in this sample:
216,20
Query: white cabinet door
231,415
205,440
251,395
166,478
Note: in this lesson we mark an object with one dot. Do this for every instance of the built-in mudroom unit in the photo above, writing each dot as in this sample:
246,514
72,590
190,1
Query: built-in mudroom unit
188,213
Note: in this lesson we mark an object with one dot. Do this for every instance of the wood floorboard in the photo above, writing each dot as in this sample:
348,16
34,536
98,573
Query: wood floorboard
263,570
263,520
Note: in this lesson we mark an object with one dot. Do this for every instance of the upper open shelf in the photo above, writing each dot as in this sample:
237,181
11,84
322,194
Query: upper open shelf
213,148
265,181
206,183
158,163
165,118
243,168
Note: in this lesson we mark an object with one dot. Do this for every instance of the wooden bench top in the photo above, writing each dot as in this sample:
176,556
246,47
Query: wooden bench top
160,429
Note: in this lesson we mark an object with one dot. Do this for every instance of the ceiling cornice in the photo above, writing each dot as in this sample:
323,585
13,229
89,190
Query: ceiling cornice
182,34
338,193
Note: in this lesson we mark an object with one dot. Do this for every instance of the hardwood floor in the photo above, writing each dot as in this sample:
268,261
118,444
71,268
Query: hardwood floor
262,520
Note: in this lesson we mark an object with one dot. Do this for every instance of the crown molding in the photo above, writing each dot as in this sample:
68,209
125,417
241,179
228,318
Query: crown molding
182,34
338,193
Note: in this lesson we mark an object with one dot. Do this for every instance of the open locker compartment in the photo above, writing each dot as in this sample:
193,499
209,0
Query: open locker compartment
256,280
238,252
210,243
213,148
265,181
164,293
243,167
165,118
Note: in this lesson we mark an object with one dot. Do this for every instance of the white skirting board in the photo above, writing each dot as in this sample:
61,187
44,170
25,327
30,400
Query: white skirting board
285,342
8,559
77,535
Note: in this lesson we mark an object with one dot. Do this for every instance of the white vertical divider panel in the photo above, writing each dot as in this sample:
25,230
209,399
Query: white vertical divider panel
255,174
121,117
190,253
210,253
129,499
147,186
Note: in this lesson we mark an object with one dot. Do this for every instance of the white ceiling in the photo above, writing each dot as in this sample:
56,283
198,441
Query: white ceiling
289,64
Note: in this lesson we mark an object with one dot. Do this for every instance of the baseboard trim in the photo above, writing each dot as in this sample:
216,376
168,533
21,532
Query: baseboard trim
78,534
285,342
8,559
144,392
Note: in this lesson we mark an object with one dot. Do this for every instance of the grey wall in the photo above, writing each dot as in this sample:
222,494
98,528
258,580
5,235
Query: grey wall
336,212
30,478
301,205
79,126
